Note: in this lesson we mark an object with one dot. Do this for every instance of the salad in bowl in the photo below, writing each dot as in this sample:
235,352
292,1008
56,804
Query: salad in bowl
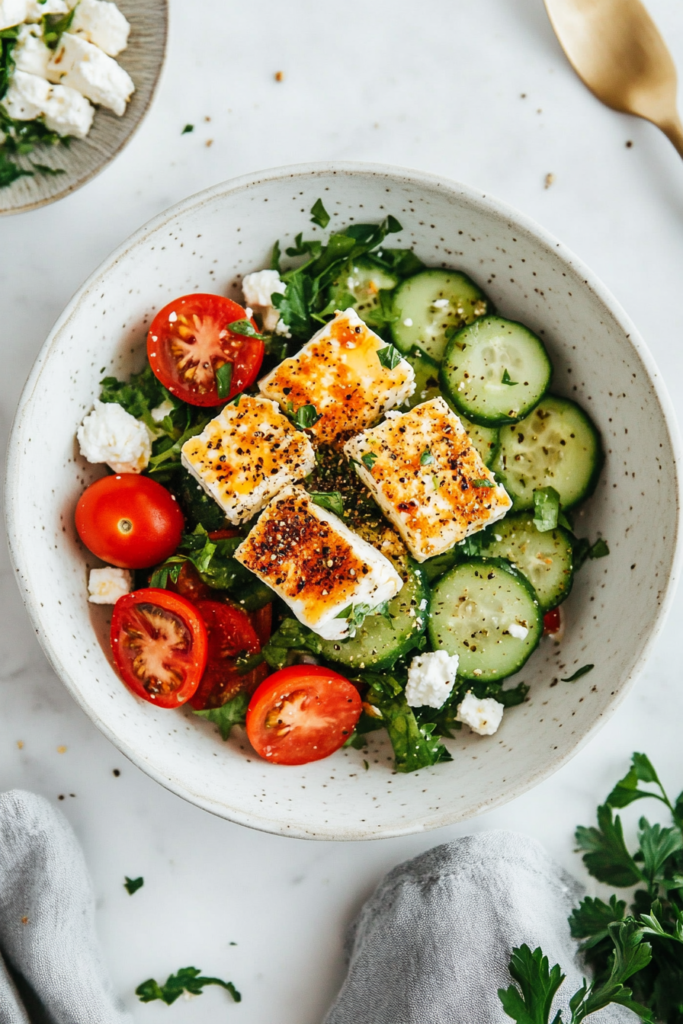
347,503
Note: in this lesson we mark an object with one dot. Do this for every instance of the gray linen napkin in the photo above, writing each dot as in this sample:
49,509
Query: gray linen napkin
53,969
432,944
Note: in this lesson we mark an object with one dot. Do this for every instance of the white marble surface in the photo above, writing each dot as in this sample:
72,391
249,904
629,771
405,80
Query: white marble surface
438,86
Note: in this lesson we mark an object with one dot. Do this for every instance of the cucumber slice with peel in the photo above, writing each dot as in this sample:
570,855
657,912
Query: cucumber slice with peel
430,305
362,282
495,371
556,446
474,607
546,559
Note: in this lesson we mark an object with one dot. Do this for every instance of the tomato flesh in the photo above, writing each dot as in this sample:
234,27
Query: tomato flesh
552,621
160,645
230,634
129,520
301,714
190,340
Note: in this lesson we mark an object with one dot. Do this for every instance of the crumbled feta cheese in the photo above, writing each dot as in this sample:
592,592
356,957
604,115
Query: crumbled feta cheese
101,23
518,631
440,303
110,434
27,96
68,113
30,53
84,67
258,289
282,328
430,679
37,9
12,12
162,411
408,322
483,716
107,585
423,604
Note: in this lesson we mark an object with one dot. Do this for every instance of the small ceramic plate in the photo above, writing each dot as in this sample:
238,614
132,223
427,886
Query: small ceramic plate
616,607
84,158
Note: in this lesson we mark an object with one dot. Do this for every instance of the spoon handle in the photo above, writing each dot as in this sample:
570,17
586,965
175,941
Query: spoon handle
674,132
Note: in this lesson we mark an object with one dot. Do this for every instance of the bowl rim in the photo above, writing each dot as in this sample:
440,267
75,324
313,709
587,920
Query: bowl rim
76,185
416,178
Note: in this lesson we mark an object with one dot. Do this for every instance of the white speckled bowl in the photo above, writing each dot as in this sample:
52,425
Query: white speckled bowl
616,607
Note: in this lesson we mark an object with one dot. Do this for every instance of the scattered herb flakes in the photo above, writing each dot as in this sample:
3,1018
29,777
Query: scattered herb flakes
187,979
584,670
366,765
131,885
319,214
245,329
332,501
507,379
483,483
426,459
187,129
370,458
599,549
224,378
389,356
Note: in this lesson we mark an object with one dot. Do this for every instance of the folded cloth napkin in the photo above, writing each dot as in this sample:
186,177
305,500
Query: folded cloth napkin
432,944
53,971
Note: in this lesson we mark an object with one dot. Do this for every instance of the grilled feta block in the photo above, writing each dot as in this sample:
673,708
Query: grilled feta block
427,478
339,372
103,24
319,567
246,455
87,69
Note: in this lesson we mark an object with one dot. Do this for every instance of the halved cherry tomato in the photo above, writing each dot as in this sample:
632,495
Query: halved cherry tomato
301,714
190,585
129,520
230,634
190,339
160,645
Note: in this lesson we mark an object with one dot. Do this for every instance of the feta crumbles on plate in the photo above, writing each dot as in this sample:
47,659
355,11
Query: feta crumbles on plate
316,564
340,372
258,290
87,69
427,478
246,455
107,585
482,715
431,677
110,434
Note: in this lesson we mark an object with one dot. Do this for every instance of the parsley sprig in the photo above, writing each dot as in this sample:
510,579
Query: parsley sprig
187,979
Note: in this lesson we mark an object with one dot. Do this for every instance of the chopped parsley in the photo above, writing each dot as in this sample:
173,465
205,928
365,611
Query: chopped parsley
234,712
483,483
389,356
305,417
187,979
131,885
507,379
426,458
245,329
548,511
332,501
224,379
584,670
319,214
370,458
187,129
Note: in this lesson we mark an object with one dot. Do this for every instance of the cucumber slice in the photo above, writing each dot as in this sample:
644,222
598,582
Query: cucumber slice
556,446
484,439
381,640
546,559
472,608
439,564
495,371
432,303
362,281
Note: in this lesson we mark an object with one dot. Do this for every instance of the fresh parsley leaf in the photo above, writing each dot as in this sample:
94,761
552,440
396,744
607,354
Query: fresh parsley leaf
54,26
402,262
187,979
530,1000
275,257
290,636
187,129
389,356
599,549
590,921
606,856
584,670
9,171
224,379
319,214
512,697
305,417
138,396
631,955
546,509
507,379
426,458
44,169
657,845
356,614
131,885
483,483
234,712
370,458
245,329
626,789
331,500
170,570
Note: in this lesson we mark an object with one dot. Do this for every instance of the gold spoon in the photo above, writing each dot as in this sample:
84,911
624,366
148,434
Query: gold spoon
616,50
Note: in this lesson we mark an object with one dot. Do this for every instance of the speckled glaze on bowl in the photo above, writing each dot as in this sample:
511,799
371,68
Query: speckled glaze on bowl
143,59
617,605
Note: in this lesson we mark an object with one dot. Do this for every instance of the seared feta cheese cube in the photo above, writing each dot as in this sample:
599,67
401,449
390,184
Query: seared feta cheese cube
12,12
85,68
37,9
107,585
110,434
258,289
27,96
245,456
340,373
430,679
101,23
30,53
427,478
319,567
483,716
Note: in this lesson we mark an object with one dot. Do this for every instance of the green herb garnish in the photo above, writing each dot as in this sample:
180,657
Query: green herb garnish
331,500
426,458
389,356
319,214
290,636
223,377
234,712
187,129
483,483
584,670
245,329
546,509
187,979
370,458
132,885
305,417
507,379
